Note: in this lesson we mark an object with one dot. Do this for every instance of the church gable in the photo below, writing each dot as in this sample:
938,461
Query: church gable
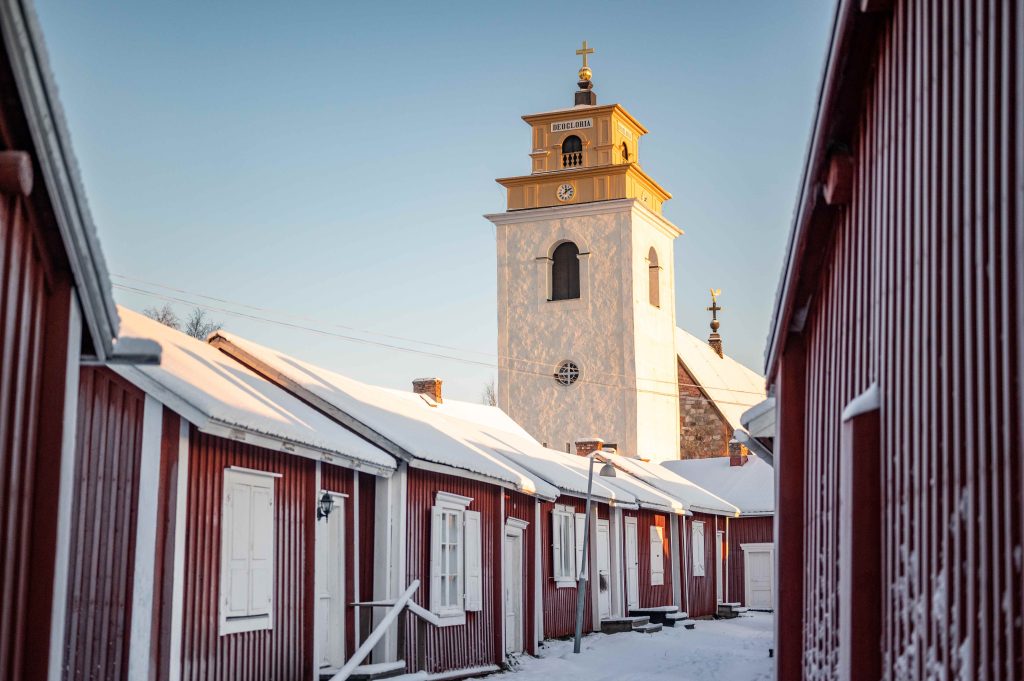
703,432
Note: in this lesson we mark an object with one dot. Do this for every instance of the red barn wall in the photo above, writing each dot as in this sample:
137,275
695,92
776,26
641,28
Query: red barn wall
701,599
286,651
651,595
522,506
743,531
35,299
102,553
560,602
478,641
367,548
919,292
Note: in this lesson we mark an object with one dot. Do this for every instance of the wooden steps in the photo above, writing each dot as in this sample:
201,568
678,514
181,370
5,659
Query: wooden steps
370,672
650,628
657,613
617,625
672,618
727,611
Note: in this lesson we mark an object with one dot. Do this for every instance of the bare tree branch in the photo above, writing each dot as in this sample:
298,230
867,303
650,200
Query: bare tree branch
489,396
198,325
165,315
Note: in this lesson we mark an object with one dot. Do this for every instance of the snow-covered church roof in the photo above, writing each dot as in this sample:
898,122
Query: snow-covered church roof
750,487
221,397
732,387
389,417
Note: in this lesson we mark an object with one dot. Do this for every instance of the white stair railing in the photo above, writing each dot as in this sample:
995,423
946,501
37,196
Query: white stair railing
402,602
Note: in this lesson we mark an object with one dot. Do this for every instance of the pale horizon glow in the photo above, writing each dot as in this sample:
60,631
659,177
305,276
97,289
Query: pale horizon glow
327,165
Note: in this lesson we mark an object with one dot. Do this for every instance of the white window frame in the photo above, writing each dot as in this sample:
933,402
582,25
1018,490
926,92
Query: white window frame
253,619
563,542
698,548
657,539
468,575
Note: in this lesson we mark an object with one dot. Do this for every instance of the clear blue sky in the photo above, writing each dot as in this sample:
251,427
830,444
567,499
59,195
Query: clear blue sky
331,161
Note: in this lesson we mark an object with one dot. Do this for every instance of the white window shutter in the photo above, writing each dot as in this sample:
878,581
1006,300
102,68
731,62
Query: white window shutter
261,561
435,558
556,545
581,521
235,548
657,557
698,549
474,562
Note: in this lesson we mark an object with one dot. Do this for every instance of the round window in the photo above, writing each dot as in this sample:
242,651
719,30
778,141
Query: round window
567,373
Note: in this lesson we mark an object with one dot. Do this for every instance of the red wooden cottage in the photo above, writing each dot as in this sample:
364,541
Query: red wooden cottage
744,547
699,573
895,353
212,479
456,523
56,314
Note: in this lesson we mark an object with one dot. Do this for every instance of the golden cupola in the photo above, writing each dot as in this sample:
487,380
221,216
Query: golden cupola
584,153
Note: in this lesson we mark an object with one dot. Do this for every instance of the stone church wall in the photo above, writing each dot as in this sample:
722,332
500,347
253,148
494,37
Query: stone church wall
703,433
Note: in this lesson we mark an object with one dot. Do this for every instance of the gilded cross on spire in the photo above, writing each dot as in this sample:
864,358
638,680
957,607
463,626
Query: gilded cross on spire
714,340
584,51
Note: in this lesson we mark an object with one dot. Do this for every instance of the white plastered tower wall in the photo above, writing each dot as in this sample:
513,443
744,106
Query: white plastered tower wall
622,344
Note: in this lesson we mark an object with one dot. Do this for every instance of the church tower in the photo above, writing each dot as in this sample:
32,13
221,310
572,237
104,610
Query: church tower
586,286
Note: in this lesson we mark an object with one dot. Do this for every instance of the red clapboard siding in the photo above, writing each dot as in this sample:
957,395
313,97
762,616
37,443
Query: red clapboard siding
560,602
743,531
651,595
338,479
702,600
367,509
25,296
284,652
106,487
478,641
919,292
522,506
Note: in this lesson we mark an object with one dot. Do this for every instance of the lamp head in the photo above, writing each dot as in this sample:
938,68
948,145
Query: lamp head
607,471
324,506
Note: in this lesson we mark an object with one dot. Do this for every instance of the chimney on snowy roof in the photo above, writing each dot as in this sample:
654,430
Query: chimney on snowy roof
431,387
714,340
737,453
586,446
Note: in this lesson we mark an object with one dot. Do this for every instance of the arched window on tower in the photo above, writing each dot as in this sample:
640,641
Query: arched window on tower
653,278
565,272
572,152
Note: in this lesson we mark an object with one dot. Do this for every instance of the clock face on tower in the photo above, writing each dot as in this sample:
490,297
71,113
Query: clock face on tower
565,192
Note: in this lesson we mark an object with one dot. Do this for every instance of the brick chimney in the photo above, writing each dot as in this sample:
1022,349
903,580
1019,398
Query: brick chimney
431,387
588,445
737,453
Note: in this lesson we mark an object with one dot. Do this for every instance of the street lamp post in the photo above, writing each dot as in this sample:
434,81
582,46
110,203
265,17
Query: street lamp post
607,471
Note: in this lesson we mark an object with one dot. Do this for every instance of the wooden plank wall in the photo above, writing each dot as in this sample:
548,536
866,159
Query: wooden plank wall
920,292
108,454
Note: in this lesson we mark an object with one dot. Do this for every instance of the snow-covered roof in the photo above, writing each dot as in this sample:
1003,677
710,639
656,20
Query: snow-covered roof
750,487
491,428
759,420
732,387
402,423
695,498
222,397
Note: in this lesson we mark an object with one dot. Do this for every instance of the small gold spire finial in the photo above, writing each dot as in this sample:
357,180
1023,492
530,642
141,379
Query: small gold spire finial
585,72
714,340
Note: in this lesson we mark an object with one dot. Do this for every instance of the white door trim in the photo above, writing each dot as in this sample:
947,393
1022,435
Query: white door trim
757,547
338,515
631,521
515,529
719,567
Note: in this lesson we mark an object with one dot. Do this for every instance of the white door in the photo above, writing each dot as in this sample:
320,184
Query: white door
330,586
604,570
513,591
757,564
632,566
719,582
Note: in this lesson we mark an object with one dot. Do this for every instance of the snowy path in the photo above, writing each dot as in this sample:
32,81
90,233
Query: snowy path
733,650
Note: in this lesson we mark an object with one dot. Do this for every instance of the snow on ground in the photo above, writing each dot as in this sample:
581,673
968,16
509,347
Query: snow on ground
716,650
